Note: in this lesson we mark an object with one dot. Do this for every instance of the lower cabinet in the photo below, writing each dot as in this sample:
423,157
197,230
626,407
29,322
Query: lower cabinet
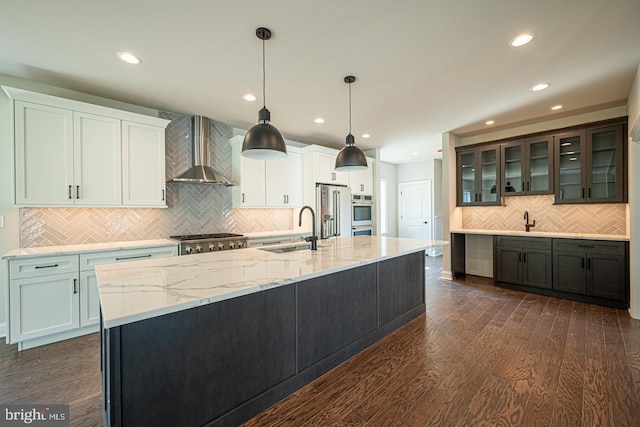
52,298
594,271
591,267
524,261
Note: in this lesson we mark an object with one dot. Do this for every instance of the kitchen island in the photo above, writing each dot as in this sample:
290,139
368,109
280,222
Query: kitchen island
214,339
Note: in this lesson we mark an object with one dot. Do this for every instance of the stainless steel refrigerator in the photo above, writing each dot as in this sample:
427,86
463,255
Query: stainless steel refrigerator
333,205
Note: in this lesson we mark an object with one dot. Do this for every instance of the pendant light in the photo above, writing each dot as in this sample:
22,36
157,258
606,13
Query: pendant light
350,158
264,141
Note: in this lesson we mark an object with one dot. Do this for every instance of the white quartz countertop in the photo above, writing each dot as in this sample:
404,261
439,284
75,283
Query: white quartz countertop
86,247
140,290
552,234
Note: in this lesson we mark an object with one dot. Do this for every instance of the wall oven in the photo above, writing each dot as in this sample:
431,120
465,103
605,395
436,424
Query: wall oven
361,211
362,231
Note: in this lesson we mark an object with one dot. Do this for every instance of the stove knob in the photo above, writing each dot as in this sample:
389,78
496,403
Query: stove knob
199,248
188,249
232,245
240,245
221,246
212,247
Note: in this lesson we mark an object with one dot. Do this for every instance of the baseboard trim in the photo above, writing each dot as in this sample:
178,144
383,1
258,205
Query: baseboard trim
446,275
3,330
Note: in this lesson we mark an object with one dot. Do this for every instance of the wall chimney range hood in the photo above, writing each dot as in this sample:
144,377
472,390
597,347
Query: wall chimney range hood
201,172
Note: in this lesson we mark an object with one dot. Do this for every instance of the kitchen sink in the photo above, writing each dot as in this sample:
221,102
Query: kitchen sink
289,248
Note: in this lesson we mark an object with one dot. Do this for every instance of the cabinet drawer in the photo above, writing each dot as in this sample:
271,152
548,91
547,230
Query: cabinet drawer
589,246
90,260
524,242
43,266
268,241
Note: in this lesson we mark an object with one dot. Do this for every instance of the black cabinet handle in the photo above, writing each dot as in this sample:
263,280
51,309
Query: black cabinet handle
132,257
242,197
524,257
75,286
77,191
588,263
70,196
586,246
589,193
582,262
519,257
583,193
284,198
46,266
522,185
163,195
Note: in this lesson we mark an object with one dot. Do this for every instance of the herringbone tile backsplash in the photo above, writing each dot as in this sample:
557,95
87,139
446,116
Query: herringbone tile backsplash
193,208
597,219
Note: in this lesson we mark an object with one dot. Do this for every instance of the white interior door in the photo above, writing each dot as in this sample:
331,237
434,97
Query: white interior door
415,209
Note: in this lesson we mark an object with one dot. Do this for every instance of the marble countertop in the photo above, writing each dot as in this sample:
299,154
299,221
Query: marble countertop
86,247
139,290
553,234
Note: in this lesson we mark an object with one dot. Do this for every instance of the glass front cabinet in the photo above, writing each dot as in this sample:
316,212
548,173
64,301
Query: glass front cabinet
590,166
527,167
477,176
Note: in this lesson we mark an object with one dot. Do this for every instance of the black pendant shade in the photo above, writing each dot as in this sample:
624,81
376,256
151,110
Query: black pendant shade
350,158
263,141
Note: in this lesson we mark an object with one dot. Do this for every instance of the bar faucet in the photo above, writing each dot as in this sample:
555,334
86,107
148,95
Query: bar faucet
527,226
313,238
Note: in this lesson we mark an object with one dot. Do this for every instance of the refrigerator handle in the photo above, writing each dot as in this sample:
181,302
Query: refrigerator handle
338,213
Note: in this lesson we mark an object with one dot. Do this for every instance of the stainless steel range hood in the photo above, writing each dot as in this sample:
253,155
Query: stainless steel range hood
201,172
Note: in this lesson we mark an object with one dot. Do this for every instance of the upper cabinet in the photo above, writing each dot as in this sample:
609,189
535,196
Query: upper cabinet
361,182
69,153
477,176
322,162
585,164
527,167
590,166
266,183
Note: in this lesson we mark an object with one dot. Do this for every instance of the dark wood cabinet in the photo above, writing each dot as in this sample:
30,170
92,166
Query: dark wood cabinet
527,166
523,261
477,176
591,267
590,167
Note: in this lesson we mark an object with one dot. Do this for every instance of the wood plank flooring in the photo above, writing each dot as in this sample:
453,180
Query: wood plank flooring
481,356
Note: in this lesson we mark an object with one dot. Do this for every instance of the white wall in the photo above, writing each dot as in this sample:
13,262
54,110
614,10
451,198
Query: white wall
633,107
388,171
416,171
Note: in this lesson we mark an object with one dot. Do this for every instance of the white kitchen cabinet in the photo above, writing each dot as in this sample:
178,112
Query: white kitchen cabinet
361,182
56,297
284,181
143,165
325,170
96,160
251,179
71,153
43,154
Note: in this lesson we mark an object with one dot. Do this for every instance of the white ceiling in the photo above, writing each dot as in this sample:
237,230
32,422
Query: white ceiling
424,67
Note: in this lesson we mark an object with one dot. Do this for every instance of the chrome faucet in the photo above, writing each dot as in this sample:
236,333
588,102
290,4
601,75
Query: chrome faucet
313,238
527,226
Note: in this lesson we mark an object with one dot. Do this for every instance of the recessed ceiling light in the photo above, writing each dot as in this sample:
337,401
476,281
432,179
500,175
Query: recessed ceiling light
489,122
319,120
366,135
522,40
556,107
415,153
540,86
129,58
249,97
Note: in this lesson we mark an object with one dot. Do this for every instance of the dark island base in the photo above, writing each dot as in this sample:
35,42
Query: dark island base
221,364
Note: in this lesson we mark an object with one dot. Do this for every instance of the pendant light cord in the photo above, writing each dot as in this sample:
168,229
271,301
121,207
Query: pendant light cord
264,78
349,108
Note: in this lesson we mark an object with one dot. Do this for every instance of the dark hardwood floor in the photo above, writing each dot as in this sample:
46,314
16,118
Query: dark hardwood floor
481,355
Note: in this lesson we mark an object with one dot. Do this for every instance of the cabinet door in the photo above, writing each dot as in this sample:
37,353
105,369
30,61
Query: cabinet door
97,160
284,181
43,305
536,268
606,276
89,299
466,178
569,272
294,180
539,166
143,165
487,176
508,265
44,154
604,165
325,173
571,163
252,176
361,182
513,162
